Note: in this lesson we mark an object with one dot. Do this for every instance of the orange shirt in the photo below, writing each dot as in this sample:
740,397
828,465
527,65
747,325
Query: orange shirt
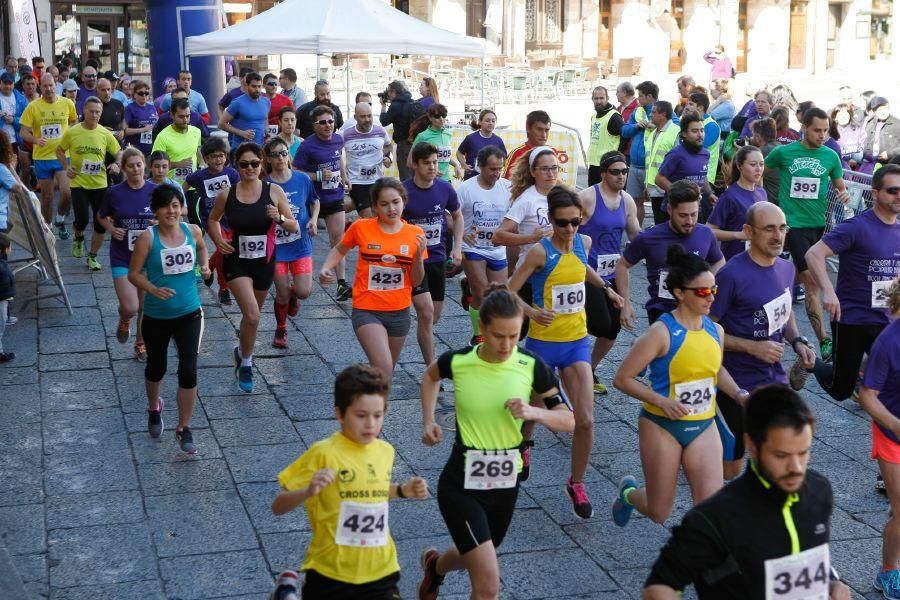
517,153
384,265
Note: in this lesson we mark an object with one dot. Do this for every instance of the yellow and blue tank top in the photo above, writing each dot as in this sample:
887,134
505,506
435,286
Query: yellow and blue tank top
559,286
688,372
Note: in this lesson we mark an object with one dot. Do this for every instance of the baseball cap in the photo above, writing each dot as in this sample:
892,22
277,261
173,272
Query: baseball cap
877,101
25,70
111,75
69,85
7,78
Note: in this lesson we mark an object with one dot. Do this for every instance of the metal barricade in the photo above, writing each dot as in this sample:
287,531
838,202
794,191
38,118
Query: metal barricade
859,185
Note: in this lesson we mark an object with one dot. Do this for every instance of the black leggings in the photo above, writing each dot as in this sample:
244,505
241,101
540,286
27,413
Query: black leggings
187,331
86,204
850,343
602,315
659,215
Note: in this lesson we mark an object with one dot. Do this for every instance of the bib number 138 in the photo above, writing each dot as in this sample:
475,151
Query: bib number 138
802,576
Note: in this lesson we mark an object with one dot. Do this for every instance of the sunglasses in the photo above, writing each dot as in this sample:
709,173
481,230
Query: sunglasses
89,76
249,164
563,223
271,83
617,172
704,292
142,94
547,169
893,190
325,122
278,154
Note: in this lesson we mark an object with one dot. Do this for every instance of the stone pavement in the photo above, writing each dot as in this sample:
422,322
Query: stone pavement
92,508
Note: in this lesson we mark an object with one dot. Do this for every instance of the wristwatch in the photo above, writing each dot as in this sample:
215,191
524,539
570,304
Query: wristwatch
281,219
802,339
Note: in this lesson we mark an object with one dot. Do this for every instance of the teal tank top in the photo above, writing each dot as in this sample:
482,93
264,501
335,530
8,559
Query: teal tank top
172,268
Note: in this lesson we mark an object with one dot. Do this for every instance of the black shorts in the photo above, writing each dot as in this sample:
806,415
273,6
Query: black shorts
734,417
525,293
86,203
653,315
361,196
798,241
435,281
602,315
330,208
316,586
474,517
259,270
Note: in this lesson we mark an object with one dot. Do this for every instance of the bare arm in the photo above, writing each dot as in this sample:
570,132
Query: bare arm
431,382
815,259
662,182
868,399
660,592
508,235
214,227
632,226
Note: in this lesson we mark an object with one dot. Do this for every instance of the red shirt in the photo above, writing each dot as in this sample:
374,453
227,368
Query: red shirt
278,101
626,112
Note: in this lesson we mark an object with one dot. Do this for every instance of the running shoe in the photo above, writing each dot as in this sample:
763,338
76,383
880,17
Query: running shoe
224,298
621,509
123,331
245,379
476,339
879,484
140,352
155,423
78,248
11,320
799,293
344,292
186,439
430,584
293,309
5,357
287,583
92,262
465,293
280,340
581,505
599,388
525,473
888,583
61,229
798,375
826,349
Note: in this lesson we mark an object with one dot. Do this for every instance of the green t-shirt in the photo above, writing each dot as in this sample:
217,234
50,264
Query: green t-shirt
441,139
88,149
179,146
803,186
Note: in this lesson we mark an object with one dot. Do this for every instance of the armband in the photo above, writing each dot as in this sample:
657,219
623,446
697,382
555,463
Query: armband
555,400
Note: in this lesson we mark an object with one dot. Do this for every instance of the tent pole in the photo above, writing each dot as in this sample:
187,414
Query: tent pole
482,83
347,74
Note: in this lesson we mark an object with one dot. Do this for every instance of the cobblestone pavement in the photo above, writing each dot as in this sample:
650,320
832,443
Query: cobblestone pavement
92,508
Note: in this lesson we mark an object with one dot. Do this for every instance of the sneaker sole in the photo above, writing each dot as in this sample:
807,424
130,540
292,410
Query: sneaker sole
422,561
591,516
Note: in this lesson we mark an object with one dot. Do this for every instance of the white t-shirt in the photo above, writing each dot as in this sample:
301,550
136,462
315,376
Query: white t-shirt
365,153
530,212
8,107
483,211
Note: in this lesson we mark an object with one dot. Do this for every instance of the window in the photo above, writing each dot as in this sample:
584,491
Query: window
543,24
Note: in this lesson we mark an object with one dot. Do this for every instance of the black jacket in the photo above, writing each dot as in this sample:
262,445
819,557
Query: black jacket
7,280
721,545
305,122
398,115
890,139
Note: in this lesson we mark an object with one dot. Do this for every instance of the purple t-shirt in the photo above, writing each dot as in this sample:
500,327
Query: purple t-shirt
129,208
316,154
883,370
140,116
869,251
472,145
651,246
82,96
730,214
426,208
208,186
753,303
680,163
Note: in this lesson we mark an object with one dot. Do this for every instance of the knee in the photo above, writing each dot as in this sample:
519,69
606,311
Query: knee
251,317
584,424
658,515
303,292
155,370
487,588
187,377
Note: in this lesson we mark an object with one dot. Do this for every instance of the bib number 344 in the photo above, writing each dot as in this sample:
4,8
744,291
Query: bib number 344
802,576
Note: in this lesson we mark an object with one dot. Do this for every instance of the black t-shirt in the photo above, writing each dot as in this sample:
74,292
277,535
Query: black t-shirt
113,114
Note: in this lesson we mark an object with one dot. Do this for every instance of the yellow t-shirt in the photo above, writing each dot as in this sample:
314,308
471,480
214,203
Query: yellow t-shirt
179,146
49,121
353,509
88,149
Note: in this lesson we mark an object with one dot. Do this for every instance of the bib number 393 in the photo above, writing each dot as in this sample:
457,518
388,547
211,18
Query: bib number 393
802,576
696,395
568,298
489,470
362,524
176,261
252,246
805,188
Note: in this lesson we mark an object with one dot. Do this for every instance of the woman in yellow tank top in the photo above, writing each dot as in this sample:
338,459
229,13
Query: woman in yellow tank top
678,425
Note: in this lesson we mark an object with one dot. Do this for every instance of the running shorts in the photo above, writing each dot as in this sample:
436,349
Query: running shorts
259,270
396,322
300,266
798,241
474,517
435,281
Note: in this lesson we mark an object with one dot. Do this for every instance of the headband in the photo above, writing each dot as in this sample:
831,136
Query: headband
610,159
537,152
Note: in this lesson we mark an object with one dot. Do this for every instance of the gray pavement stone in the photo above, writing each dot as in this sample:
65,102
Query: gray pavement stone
80,510
294,371
60,317
146,590
215,575
257,498
108,471
72,339
552,573
261,463
254,431
613,547
305,404
532,530
78,431
80,294
184,477
200,523
241,407
100,555
68,362
31,567
21,403
21,477
137,421
285,550
22,529
14,375
148,450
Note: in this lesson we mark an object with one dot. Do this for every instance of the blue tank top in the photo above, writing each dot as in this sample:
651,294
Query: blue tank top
172,268
300,193
605,228
559,286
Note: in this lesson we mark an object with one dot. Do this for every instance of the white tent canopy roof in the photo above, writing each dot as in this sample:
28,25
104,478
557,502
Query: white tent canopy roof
334,26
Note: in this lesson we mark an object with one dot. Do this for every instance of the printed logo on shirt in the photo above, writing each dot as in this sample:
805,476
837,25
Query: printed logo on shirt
404,249
813,165
373,246
346,475
820,529
388,258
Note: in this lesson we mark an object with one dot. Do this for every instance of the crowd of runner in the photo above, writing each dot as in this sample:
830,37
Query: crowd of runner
740,211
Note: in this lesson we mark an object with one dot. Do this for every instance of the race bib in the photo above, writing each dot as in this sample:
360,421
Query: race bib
432,233
362,524
271,130
568,299
491,470
367,174
778,311
132,236
51,132
444,153
283,236
385,279
483,238
805,188
252,246
880,293
802,576
333,181
697,395
91,167
183,172
663,291
146,137
606,264
176,261
214,185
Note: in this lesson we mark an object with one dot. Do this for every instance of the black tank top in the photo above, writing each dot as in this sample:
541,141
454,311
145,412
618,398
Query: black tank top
251,220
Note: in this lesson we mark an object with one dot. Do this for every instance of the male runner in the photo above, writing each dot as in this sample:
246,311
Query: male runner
367,148
180,141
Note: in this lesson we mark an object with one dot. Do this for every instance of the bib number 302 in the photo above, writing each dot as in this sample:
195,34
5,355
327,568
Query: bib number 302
802,576
362,524
490,470
176,261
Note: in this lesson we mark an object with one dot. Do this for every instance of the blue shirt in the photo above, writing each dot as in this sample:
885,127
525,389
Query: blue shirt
301,196
630,130
7,181
249,114
195,98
